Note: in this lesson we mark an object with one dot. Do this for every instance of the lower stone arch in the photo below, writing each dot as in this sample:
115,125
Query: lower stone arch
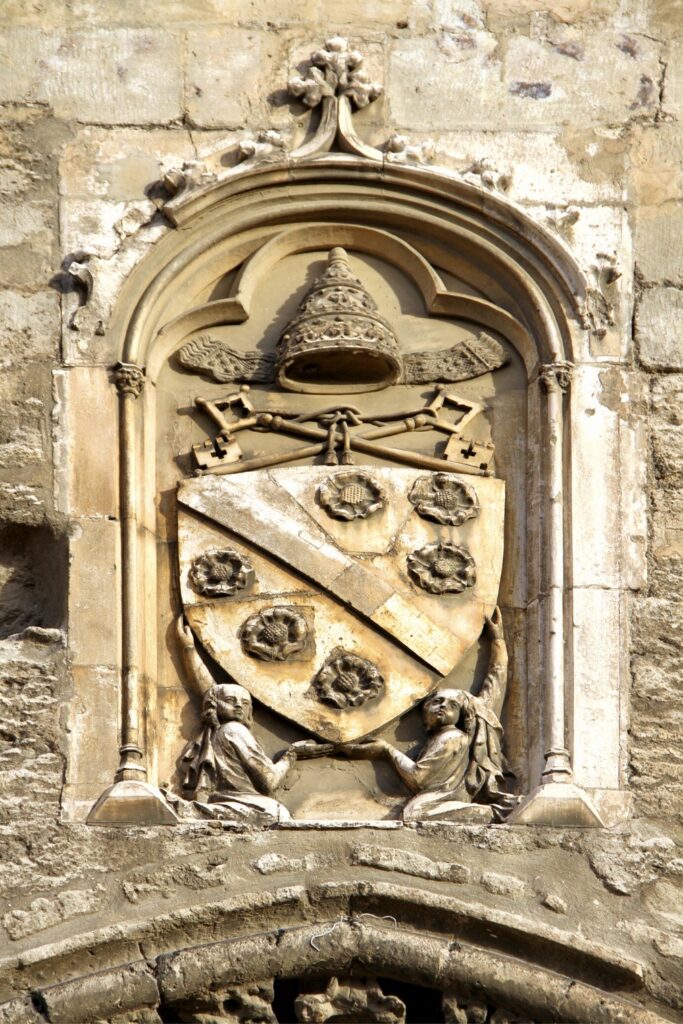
350,948
489,967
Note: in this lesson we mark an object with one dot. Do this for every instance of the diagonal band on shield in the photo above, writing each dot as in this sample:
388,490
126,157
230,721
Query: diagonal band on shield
273,521
349,581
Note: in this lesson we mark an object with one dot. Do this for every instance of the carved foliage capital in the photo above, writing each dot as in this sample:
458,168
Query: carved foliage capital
129,379
555,376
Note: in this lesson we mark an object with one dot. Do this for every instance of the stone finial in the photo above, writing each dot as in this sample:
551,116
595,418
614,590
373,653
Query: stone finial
555,376
335,71
129,379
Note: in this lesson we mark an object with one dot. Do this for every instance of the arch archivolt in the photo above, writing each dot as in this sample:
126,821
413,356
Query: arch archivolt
505,263
348,931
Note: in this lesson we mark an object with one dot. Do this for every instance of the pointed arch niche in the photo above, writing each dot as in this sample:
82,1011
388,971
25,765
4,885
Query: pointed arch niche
444,259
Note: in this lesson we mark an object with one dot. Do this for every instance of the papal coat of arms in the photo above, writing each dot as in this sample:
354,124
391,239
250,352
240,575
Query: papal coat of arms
342,592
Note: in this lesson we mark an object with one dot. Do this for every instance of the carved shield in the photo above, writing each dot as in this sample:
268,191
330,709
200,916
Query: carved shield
339,596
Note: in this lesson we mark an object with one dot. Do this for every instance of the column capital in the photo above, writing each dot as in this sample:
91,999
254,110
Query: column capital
129,379
555,376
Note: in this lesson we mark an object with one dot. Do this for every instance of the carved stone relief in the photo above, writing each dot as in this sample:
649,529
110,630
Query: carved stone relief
350,496
460,1009
250,1003
347,680
275,634
338,341
221,573
357,580
205,354
444,499
349,999
340,517
442,568
349,578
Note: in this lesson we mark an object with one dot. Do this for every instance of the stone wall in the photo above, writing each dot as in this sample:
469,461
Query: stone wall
570,108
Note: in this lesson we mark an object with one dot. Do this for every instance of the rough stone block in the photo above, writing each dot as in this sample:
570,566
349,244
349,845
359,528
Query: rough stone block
655,174
24,504
29,326
386,14
93,578
24,403
543,79
225,73
554,902
407,862
599,677
502,885
667,535
659,328
25,224
31,758
431,90
193,12
451,79
127,988
90,483
656,714
574,165
667,400
658,243
44,913
26,240
20,1011
672,100
118,165
667,454
124,76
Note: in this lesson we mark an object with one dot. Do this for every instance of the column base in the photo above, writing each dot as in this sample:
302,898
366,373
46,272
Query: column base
132,803
558,804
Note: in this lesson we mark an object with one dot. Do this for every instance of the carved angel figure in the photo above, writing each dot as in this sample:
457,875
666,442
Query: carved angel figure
226,766
462,760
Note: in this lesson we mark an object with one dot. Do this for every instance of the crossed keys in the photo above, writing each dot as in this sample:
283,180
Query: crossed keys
338,432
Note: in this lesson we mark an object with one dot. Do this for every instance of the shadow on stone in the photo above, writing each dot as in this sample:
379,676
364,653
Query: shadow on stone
33,578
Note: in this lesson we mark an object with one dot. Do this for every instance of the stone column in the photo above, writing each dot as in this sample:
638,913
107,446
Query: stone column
129,380
554,380
557,801
131,800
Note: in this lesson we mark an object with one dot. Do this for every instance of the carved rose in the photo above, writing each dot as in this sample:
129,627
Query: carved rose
442,568
346,680
443,498
274,634
221,573
350,496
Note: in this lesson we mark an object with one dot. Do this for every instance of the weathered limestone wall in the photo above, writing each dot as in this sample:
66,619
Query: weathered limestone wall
576,106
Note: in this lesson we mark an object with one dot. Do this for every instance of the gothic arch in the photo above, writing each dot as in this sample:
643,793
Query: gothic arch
520,280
